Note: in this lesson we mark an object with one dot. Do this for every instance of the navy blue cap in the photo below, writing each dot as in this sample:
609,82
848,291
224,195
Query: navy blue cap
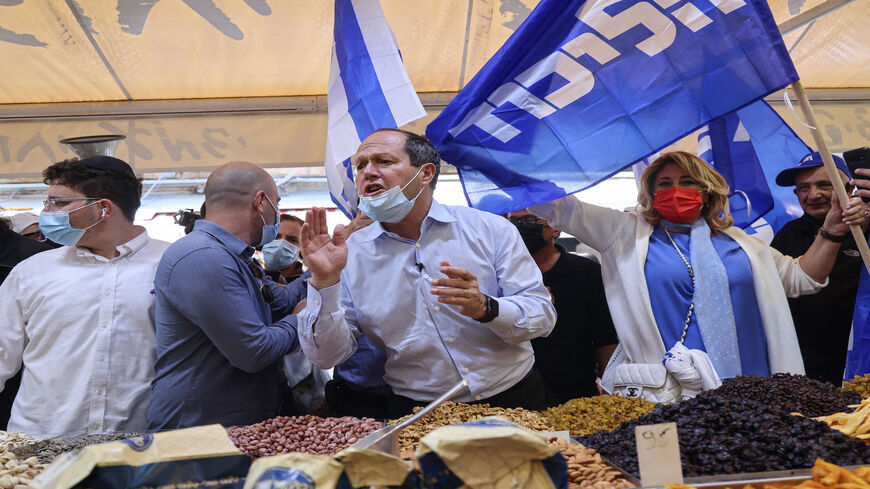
812,160
109,164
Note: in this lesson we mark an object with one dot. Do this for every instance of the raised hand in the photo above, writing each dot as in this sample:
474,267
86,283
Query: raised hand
460,289
325,255
838,220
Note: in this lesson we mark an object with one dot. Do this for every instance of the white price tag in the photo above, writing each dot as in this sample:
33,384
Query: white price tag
658,454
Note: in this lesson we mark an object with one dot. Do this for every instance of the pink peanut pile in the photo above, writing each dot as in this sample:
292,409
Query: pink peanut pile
309,434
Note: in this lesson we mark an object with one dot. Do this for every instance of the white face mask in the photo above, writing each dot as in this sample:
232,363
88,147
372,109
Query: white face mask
390,206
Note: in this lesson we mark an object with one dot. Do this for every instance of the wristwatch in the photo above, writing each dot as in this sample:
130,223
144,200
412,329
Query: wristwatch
831,237
491,310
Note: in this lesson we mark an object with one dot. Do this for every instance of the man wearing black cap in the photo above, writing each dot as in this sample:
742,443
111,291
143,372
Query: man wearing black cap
822,320
78,319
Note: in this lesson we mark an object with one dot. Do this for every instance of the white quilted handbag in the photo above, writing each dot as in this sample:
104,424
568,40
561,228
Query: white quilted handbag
650,381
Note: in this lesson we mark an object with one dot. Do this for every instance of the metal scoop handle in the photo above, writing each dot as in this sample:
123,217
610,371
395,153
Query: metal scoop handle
434,404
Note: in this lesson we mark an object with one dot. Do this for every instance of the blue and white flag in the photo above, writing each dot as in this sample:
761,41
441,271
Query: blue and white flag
858,355
749,147
368,90
585,88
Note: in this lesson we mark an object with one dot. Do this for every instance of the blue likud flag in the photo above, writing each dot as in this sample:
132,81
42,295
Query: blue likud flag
585,88
368,90
749,147
858,356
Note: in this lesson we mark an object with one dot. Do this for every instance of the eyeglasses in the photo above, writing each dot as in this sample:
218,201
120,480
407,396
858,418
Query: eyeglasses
526,220
51,202
260,275
37,235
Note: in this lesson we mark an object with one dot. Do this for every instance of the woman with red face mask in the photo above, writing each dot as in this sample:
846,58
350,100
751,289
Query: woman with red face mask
694,299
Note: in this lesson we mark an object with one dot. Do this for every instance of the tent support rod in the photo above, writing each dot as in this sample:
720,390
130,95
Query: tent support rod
811,15
145,108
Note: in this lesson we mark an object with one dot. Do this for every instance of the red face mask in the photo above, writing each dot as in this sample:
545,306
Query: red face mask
678,204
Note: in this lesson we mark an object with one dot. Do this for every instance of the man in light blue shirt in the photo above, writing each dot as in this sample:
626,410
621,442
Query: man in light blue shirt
448,293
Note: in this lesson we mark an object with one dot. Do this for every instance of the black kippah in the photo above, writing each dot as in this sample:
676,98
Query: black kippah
108,163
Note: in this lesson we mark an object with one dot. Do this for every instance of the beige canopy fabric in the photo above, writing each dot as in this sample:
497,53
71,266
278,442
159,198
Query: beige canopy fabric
177,77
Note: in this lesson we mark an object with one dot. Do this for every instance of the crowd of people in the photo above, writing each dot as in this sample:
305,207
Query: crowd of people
106,329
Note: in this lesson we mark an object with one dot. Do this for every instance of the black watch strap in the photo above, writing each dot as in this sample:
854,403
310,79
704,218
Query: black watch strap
491,310
830,237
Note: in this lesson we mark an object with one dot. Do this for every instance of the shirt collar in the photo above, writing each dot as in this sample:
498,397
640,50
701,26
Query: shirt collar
437,212
234,244
124,249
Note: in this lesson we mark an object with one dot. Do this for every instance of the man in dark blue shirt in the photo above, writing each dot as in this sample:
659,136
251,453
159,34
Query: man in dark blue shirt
218,350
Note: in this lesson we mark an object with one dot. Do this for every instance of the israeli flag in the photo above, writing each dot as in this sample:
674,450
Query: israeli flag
749,147
585,88
368,90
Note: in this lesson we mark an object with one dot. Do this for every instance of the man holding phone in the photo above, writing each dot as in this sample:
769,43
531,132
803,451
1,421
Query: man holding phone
823,320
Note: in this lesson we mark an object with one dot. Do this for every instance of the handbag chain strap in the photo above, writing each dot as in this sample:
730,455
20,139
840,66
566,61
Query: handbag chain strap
692,275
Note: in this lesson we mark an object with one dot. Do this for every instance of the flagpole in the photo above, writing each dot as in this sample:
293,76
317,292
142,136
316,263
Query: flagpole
831,168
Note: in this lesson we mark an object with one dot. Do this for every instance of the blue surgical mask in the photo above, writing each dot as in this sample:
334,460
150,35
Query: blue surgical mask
279,254
270,231
390,206
56,227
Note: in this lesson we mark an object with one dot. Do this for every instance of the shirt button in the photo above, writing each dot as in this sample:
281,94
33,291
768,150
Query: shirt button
476,398
418,245
426,276
99,392
437,308
95,426
101,358
316,302
465,370
107,292
451,339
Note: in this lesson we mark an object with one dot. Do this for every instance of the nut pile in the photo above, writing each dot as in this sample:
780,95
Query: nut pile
588,415
453,413
721,435
308,434
792,393
861,385
587,470
11,439
17,474
47,450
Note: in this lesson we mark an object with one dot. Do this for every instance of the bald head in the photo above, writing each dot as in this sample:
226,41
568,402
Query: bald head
235,183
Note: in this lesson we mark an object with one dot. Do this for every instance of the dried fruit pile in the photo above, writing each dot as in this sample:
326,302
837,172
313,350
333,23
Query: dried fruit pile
861,385
855,424
792,393
724,435
453,413
308,434
588,415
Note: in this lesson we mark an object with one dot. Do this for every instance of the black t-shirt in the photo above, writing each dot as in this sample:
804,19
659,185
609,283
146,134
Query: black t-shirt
566,358
822,320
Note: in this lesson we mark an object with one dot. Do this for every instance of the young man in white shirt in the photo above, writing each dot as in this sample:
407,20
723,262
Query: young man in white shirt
79,319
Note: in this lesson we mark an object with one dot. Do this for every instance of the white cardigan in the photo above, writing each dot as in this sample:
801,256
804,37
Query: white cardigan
622,238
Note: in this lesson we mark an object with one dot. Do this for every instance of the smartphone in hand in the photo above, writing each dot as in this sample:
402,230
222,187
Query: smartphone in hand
855,159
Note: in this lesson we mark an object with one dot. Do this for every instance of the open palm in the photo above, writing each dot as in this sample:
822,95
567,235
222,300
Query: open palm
325,255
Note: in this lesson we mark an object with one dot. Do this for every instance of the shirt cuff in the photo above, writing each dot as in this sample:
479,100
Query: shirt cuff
507,319
327,299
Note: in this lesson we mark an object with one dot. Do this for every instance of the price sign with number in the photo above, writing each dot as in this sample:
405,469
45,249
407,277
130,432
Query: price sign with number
658,454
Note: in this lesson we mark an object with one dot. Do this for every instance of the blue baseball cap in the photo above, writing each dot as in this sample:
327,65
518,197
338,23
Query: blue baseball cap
812,160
